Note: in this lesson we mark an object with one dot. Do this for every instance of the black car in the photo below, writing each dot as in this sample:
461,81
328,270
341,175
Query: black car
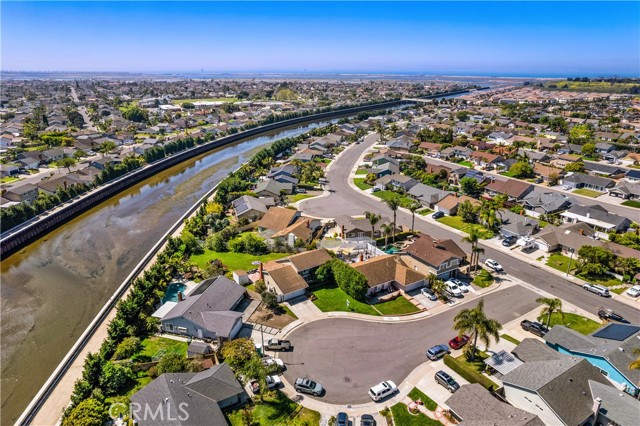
367,420
609,315
437,215
342,419
534,327
509,241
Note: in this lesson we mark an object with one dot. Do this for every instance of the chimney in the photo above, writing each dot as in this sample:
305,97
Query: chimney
261,271
360,257
596,407
581,231
588,215
180,296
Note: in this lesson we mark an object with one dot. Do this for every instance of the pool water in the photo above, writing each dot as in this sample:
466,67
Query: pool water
171,295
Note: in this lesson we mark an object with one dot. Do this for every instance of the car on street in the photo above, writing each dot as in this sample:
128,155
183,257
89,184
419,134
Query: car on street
270,361
610,315
305,385
382,390
437,215
634,291
342,419
429,293
534,327
509,241
458,341
566,187
447,381
367,420
598,289
436,352
494,265
453,289
461,285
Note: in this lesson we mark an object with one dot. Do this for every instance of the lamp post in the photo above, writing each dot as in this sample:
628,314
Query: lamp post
569,265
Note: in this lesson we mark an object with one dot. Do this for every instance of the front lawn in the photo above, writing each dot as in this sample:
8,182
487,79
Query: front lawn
465,163
424,212
277,409
397,306
510,339
9,179
605,280
297,197
429,403
402,417
331,299
483,279
234,261
457,223
288,311
631,203
361,171
385,195
154,348
359,182
560,262
573,321
587,192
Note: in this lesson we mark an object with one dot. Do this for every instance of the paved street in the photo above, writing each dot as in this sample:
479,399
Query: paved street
346,200
348,356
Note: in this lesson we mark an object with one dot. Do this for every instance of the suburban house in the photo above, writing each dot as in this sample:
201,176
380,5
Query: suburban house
541,203
626,190
604,170
27,193
500,138
289,278
632,176
360,227
396,181
534,156
515,189
276,219
456,152
428,196
428,255
484,159
207,312
51,186
188,399
251,207
472,404
389,272
300,230
547,173
272,188
449,204
609,349
568,237
517,225
598,217
582,180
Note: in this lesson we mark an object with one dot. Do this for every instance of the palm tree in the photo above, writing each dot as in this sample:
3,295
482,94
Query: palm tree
635,365
373,220
475,322
437,286
386,229
394,202
472,239
413,208
551,306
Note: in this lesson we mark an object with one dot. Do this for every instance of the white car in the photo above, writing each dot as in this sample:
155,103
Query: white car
453,289
382,390
464,287
566,187
634,291
494,265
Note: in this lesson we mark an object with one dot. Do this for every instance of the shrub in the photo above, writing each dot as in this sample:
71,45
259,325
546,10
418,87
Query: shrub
127,348
270,300
467,373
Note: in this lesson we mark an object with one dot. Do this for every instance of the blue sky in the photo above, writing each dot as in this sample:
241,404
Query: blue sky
521,38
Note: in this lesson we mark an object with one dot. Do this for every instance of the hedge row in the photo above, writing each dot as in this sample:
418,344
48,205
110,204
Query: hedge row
468,374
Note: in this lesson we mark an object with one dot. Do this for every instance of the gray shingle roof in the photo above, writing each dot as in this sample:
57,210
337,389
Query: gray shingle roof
532,350
616,405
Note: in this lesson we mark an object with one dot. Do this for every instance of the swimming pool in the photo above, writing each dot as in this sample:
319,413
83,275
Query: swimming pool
171,294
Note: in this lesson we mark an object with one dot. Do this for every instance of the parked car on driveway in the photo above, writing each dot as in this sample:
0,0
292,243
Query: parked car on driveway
382,390
342,419
304,385
609,315
447,381
458,341
278,345
598,289
461,285
494,265
453,289
436,352
534,327
509,241
437,215
634,291
429,293
367,420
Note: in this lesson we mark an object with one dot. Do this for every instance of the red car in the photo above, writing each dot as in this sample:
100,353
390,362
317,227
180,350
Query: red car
458,342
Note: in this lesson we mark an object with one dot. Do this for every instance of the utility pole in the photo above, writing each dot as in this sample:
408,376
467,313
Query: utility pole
569,265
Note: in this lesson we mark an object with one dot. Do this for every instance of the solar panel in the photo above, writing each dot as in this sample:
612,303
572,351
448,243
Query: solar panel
618,332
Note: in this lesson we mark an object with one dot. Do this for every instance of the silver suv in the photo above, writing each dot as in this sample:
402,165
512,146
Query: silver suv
597,289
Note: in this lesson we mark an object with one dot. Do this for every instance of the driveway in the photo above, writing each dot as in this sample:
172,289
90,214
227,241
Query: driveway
348,356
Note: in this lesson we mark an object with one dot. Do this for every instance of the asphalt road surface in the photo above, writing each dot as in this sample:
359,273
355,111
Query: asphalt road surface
349,356
348,201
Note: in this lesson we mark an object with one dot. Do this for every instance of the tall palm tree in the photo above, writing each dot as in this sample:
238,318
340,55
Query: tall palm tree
386,229
477,251
394,202
373,220
472,239
475,322
413,208
551,306
437,286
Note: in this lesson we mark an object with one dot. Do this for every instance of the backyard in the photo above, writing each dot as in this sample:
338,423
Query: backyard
154,348
573,321
333,298
457,223
234,261
587,192
277,409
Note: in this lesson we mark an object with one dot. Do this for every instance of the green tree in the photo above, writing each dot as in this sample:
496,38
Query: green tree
589,149
580,134
115,378
373,219
127,348
188,105
135,114
413,208
468,212
552,305
65,162
438,286
79,154
89,412
176,363
387,230
469,186
489,215
577,166
521,169
475,322
393,203
270,300
107,147
473,239
238,352
594,260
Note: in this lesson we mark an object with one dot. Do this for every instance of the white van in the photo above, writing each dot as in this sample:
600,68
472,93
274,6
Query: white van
382,390
453,289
